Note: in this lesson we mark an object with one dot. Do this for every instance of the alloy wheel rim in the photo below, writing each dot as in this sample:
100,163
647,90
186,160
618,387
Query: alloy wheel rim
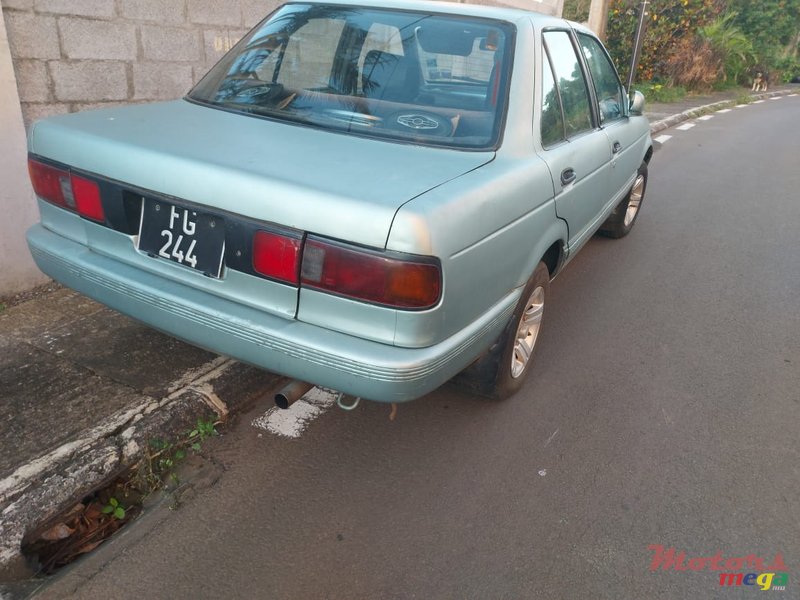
527,331
635,200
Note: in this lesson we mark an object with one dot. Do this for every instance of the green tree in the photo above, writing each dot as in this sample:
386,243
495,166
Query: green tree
773,27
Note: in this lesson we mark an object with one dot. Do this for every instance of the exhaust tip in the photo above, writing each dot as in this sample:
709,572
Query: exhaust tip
281,401
291,393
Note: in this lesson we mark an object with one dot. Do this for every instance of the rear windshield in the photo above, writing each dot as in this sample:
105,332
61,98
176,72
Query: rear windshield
421,78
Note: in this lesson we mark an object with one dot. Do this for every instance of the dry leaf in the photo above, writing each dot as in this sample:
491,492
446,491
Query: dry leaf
57,532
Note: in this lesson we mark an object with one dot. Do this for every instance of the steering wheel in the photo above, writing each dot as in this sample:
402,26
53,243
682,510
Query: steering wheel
419,122
262,91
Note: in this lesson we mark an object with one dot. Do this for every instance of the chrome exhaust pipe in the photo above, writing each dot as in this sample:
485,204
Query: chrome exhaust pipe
291,393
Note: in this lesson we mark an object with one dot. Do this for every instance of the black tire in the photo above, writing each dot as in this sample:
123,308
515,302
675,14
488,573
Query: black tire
495,376
619,222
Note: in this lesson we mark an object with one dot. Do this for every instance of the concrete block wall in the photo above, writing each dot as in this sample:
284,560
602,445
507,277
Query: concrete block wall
71,55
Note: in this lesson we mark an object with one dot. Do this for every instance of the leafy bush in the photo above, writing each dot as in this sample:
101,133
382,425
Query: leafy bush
733,49
669,24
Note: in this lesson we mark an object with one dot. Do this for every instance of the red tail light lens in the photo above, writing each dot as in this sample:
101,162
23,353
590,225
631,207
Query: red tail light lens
87,198
277,256
51,184
66,190
372,277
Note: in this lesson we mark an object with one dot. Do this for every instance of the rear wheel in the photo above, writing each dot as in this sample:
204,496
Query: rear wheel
502,372
620,222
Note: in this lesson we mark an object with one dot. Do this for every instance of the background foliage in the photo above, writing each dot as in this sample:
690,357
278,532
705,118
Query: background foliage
701,44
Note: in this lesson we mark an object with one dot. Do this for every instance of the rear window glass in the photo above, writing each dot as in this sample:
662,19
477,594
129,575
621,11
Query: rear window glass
422,78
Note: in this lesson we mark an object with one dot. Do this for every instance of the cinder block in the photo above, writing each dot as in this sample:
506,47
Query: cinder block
169,12
170,43
215,12
34,112
253,11
89,81
32,36
218,41
198,72
18,4
83,8
159,81
86,38
32,81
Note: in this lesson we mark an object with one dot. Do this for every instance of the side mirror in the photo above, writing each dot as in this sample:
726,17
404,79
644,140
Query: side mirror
637,104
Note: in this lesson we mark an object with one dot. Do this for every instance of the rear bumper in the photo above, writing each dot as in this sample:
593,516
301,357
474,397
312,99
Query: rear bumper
289,347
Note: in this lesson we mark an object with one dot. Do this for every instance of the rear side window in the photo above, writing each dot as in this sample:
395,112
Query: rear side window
552,120
604,76
570,82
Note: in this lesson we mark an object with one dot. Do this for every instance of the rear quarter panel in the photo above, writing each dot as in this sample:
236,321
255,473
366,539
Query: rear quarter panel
490,228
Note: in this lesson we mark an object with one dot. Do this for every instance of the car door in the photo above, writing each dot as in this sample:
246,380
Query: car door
612,111
575,149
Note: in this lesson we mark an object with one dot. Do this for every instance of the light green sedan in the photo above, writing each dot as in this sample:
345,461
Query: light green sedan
365,198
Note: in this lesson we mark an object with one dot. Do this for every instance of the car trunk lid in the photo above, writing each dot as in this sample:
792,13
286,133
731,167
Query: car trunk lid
336,185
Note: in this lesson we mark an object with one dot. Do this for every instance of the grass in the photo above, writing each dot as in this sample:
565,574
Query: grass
659,92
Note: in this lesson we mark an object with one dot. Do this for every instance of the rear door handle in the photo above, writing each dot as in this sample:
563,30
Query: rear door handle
568,175
616,147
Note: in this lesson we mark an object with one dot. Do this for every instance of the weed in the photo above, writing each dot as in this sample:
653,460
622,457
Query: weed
744,98
202,431
114,508
2,307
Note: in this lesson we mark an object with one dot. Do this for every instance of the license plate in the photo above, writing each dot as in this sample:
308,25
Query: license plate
184,236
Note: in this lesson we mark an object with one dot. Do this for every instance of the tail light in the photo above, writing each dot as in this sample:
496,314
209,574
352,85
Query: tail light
390,280
87,198
67,190
51,184
277,256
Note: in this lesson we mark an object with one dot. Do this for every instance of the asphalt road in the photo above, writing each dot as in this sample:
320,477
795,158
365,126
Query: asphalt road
664,410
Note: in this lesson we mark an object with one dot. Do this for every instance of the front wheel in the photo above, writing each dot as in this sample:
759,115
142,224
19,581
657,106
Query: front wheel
620,222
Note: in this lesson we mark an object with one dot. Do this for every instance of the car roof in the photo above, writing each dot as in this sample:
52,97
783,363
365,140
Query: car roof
473,10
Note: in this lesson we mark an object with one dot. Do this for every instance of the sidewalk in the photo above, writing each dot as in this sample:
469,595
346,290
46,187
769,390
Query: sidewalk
84,389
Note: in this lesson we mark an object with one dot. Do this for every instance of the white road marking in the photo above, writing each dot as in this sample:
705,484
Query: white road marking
777,98
663,138
724,110
742,105
791,95
292,422
685,126
705,117
758,102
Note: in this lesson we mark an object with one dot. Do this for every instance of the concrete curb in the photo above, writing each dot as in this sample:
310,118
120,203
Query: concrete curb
699,111
42,489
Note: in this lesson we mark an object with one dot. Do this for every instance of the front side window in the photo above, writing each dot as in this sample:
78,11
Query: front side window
606,82
570,82
416,77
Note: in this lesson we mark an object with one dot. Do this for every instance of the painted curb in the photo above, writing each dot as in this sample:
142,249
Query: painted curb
699,111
